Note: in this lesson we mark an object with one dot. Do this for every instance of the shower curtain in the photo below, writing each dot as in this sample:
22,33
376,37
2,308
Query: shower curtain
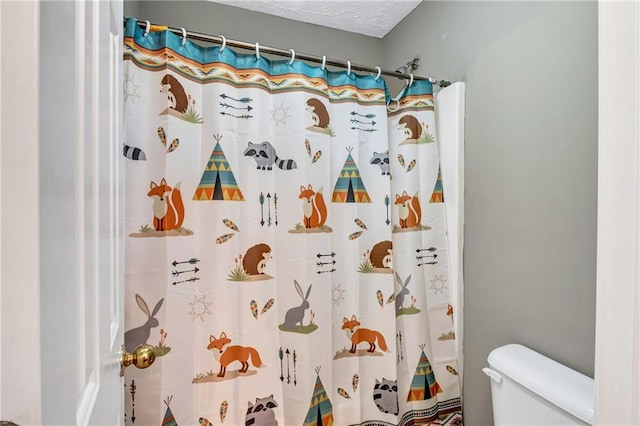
286,247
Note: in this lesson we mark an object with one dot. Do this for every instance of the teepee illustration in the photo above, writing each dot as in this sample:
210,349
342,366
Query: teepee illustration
437,196
349,187
320,409
218,182
168,419
423,385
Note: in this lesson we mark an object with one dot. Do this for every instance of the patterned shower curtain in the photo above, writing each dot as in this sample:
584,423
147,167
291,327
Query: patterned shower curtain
286,243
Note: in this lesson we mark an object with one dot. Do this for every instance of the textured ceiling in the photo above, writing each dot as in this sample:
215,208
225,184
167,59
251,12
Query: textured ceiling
369,17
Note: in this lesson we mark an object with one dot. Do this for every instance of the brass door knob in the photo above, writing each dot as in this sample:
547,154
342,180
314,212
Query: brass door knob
142,357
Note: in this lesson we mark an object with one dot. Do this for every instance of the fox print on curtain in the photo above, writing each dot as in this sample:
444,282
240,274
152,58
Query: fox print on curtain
286,243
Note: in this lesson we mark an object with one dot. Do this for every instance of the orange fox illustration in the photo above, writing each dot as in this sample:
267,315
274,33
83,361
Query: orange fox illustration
409,211
225,354
313,207
358,335
168,210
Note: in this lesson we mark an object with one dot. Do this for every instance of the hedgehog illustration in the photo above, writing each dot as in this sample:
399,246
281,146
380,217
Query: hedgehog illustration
318,113
175,92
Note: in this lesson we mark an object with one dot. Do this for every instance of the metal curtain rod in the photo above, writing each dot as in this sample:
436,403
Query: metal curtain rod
287,53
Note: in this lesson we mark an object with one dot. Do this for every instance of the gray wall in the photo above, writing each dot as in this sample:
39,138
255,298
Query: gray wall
268,30
531,155
531,172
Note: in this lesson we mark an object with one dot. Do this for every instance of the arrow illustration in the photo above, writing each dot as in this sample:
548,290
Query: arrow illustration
275,206
324,272
434,255
269,209
386,203
401,354
428,263
280,354
243,100
325,255
176,273
261,209
295,370
431,249
236,116
326,263
191,261
226,105
355,120
288,372
358,128
364,116
132,391
190,280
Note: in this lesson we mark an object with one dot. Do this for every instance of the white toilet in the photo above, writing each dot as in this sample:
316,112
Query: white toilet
528,388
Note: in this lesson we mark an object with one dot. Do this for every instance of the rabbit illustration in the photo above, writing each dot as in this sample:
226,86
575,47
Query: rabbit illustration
403,291
139,335
296,315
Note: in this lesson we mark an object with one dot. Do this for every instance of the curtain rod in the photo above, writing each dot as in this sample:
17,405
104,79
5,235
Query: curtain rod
287,53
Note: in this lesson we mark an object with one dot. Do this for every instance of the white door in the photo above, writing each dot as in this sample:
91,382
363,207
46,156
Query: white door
79,175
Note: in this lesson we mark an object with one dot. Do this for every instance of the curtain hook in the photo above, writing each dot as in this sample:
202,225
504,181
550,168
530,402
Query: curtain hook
184,36
379,72
257,51
324,62
224,42
146,31
293,56
391,109
348,67
410,80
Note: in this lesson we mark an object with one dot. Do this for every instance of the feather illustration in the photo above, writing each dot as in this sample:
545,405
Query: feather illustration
174,145
316,157
343,393
254,309
391,298
308,146
355,381
267,306
204,421
229,224
452,370
412,164
224,238
162,135
223,410
355,235
360,223
380,298
401,160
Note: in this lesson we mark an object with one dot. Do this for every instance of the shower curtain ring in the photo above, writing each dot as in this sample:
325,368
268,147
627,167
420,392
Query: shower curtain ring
348,67
257,51
184,36
224,42
410,80
379,72
324,62
146,30
293,56
391,109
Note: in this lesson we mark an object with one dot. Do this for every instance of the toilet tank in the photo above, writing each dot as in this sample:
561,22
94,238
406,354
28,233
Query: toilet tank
528,388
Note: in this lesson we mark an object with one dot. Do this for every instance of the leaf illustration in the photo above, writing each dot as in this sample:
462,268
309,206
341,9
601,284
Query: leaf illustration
267,306
229,224
162,135
224,238
254,309
174,145
355,235
360,223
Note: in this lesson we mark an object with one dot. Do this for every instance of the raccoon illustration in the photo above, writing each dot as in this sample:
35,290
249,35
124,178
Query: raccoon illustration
261,413
265,156
382,160
385,395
